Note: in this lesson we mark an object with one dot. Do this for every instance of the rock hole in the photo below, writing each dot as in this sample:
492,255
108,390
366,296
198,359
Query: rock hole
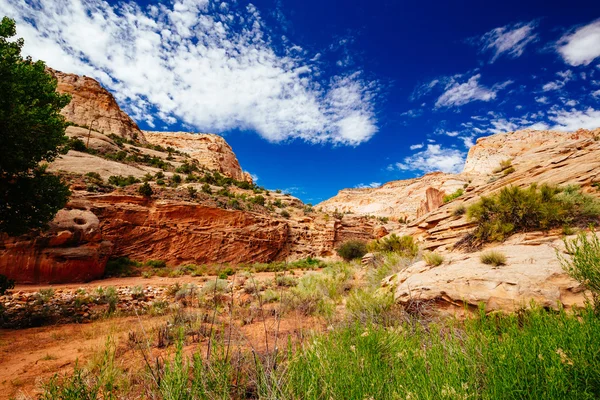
79,221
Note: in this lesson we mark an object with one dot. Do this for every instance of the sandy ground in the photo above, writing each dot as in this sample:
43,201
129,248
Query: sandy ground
31,356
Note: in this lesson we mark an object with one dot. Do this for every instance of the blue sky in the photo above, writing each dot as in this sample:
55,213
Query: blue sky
316,96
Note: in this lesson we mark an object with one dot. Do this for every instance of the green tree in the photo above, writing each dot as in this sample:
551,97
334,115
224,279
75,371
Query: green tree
32,131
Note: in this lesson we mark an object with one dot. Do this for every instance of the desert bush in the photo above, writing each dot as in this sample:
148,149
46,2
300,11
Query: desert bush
121,266
448,198
459,210
121,181
156,263
433,258
285,280
206,189
403,245
536,208
504,165
146,190
218,286
352,249
285,214
192,192
259,199
508,171
583,263
5,284
494,258
95,177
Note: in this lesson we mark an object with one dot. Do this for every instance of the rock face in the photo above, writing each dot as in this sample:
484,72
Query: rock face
180,232
532,272
212,151
92,105
72,250
576,160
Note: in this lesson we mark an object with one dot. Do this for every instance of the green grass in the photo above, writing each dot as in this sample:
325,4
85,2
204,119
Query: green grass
432,258
448,198
494,258
531,355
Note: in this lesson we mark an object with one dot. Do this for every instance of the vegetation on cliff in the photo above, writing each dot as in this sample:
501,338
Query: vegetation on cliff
544,207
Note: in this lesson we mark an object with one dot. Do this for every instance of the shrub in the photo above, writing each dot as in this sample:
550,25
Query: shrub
94,176
286,280
536,208
260,200
508,171
146,190
192,192
584,263
403,245
285,214
176,179
494,258
156,263
121,266
122,181
459,210
206,188
448,198
504,165
5,284
433,259
352,249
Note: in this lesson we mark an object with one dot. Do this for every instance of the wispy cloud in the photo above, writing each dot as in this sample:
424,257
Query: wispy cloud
368,185
433,158
571,120
417,146
509,40
581,46
458,94
565,77
209,65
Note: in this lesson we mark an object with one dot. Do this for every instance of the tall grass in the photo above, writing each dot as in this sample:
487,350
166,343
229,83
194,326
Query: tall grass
532,355
583,263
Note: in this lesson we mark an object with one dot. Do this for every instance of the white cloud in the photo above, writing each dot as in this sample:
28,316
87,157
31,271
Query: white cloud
434,158
417,146
368,185
542,100
572,120
424,89
502,125
582,46
596,93
509,40
458,94
208,66
565,76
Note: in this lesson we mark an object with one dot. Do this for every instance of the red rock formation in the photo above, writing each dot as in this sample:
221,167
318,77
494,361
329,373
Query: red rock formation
181,232
71,251
93,105
434,199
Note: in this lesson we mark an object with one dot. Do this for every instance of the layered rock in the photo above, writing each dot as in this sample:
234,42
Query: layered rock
72,250
396,199
212,151
532,273
93,106
575,161
182,232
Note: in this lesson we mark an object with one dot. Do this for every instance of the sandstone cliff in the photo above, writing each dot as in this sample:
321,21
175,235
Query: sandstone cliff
396,199
93,106
212,151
